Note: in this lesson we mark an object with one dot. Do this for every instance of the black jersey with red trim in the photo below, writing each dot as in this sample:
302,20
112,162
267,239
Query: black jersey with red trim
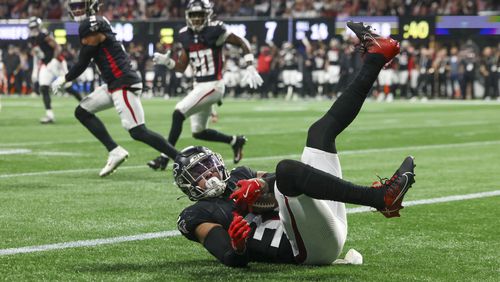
204,50
111,59
40,41
267,242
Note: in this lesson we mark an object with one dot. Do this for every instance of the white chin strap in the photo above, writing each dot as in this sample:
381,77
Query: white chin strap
80,18
215,187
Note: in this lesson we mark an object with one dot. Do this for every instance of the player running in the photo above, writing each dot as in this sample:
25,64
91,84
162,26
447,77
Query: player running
311,225
122,89
202,41
48,64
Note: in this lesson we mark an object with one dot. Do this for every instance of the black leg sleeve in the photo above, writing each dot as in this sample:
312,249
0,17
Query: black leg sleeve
153,139
294,178
176,129
218,243
46,97
74,93
96,127
213,135
322,133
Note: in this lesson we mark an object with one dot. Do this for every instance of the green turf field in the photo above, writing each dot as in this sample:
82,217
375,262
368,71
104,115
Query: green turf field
50,193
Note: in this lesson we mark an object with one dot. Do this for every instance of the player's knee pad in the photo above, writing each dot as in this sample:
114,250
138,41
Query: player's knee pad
288,172
139,133
81,114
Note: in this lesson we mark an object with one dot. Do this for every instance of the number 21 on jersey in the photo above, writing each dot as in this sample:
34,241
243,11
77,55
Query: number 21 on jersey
202,62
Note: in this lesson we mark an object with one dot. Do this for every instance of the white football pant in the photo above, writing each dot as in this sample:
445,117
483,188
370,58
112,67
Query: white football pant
198,103
127,104
49,72
317,229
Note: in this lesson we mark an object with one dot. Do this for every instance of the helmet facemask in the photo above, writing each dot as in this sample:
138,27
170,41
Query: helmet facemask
79,10
203,168
198,15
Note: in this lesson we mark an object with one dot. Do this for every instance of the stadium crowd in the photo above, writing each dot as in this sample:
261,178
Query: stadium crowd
461,70
315,70
148,9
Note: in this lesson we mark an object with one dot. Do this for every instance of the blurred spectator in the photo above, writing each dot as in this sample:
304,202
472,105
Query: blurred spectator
489,71
264,62
13,68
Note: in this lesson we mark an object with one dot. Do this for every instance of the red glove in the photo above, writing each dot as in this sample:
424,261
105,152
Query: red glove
247,193
239,230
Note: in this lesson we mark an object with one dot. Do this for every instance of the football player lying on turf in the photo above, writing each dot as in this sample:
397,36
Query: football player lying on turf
233,217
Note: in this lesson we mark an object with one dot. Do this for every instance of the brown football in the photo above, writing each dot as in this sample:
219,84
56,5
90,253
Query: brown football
265,203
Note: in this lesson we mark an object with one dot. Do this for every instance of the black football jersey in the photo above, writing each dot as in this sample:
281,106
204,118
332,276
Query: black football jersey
111,59
267,242
40,41
204,50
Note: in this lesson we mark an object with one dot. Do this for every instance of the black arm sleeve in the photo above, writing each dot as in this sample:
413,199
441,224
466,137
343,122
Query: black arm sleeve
270,179
86,54
218,243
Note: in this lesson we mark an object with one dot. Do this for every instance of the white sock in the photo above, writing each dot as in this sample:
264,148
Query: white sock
50,114
233,141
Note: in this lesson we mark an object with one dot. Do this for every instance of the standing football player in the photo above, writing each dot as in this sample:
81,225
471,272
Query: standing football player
202,43
48,64
122,89
311,224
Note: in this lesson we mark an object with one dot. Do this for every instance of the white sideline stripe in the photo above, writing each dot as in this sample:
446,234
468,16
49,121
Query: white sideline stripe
277,157
435,200
14,151
41,153
89,243
173,233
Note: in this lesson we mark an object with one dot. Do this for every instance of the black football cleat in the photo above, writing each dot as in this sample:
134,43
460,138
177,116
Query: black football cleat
396,187
238,148
160,163
374,43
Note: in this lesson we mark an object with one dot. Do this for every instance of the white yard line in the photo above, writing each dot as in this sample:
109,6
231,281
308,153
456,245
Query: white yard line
173,233
408,149
40,153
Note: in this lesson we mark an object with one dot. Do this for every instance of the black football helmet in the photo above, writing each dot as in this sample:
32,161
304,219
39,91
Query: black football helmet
79,10
197,163
198,14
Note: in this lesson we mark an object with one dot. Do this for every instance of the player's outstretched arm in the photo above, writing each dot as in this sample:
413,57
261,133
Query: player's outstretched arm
166,60
90,47
219,243
250,76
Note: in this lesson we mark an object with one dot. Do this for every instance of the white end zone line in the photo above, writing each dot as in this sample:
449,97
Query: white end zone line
173,233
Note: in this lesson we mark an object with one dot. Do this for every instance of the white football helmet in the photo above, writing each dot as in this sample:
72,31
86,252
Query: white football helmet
198,14
34,26
79,10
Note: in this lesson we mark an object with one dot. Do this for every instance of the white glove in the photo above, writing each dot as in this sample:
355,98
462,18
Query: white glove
252,77
164,59
58,84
